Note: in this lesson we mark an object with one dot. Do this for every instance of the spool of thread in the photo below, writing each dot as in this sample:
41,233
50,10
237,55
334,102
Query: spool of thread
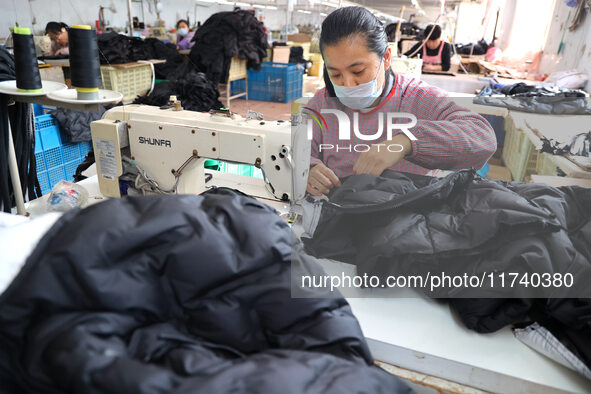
85,66
25,61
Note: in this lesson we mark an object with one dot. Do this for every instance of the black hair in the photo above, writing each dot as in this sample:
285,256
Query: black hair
436,32
347,21
55,27
181,21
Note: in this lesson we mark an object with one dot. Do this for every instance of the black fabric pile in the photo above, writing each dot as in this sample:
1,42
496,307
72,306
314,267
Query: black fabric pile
580,145
195,90
477,48
20,116
117,48
76,124
228,34
177,294
404,224
296,55
536,99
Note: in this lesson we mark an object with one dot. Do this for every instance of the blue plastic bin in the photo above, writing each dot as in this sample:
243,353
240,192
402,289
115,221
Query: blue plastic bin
279,82
56,159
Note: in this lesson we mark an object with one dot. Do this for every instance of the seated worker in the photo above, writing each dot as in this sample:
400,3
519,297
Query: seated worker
436,53
184,35
58,34
360,84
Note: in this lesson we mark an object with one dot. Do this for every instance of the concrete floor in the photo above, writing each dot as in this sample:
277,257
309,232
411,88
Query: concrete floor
272,110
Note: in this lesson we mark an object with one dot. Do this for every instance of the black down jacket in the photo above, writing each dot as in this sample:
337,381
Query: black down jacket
403,224
177,294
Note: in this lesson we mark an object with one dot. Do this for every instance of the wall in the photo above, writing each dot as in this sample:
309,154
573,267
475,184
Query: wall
86,11
576,53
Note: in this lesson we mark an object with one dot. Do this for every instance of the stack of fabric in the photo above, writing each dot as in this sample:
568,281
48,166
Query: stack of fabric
225,35
194,89
116,49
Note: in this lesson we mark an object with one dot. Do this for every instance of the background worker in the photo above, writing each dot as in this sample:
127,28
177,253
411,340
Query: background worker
184,35
58,34
436,53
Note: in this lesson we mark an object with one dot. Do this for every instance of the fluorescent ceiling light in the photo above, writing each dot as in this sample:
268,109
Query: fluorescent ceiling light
243,4
305,12
271,7
329,4
323,14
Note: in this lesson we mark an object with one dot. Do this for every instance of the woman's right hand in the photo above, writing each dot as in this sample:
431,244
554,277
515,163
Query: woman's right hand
321,179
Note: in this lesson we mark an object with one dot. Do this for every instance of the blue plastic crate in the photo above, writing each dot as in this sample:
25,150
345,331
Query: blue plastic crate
279,82
38,109
45,121
56,159
84,147
238,86
70,169
70,152
56,174
43,182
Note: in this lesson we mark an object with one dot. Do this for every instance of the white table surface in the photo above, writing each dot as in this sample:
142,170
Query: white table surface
423,335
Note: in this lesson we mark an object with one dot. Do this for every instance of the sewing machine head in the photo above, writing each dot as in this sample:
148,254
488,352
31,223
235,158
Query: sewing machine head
163,150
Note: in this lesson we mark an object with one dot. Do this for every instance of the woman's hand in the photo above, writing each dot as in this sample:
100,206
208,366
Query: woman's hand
321,179
383,156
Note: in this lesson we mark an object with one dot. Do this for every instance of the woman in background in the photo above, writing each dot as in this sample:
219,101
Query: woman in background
436,53
58,34
184,35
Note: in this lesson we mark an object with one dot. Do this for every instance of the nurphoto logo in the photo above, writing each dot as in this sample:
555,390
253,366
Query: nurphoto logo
389,124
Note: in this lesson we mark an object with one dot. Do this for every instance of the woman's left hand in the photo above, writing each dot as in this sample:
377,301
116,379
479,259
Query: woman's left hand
383,156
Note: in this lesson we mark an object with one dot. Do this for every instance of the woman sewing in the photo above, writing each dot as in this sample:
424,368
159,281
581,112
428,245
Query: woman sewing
435,52
360,84
58,34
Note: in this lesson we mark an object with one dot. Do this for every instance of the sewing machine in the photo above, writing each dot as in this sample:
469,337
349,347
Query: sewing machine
164,150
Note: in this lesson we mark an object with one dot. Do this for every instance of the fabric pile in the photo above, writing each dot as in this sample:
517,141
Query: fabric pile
177,294
20,116
580,145
536,99
195,90
117,48
403,224
225,35
476,48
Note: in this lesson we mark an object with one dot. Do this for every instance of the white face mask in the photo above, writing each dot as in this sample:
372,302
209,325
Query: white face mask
360,96
183,31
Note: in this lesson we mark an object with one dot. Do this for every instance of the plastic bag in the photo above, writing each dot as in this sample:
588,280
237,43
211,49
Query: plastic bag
65,196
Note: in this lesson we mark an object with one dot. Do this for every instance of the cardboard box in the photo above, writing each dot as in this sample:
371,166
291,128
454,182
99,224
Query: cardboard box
281,54
499,173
